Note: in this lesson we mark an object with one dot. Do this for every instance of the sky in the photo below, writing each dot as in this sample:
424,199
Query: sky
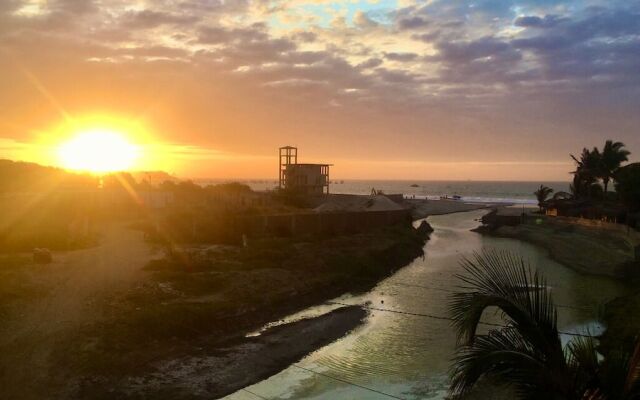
387,89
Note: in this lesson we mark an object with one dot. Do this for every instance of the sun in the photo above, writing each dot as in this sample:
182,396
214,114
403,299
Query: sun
98,151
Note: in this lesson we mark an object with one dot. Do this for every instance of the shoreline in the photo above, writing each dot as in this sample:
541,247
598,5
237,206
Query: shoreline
421,209
603,252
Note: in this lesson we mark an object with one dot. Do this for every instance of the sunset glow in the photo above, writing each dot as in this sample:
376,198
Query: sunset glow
98,151
384,89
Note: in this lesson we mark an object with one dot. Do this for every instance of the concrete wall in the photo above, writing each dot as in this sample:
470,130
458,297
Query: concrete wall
319,223
306,177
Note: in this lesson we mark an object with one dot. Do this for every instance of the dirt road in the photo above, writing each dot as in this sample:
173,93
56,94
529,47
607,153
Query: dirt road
75,285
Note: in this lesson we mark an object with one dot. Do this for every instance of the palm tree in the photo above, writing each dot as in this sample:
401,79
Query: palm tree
541,194
612,156
527,352
588,169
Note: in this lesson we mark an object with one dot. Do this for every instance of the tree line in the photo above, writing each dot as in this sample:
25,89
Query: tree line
595,170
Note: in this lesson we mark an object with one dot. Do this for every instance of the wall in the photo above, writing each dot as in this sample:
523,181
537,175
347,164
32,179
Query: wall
319,223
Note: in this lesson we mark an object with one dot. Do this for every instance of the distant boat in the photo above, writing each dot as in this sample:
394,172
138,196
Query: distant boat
456,197
415,185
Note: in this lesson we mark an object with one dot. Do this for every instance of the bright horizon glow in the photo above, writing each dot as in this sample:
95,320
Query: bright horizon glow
98,150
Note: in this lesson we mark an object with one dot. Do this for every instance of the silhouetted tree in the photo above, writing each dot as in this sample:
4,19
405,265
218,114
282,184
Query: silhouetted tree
527,353
628,185
541,194
612,156
588,170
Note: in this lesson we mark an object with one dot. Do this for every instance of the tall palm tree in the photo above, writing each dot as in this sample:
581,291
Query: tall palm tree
527,352
612,156
541,194
588,170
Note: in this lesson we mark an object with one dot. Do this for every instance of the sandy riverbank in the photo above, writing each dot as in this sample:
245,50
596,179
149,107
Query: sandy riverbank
223,369
420,208
592,250
424,208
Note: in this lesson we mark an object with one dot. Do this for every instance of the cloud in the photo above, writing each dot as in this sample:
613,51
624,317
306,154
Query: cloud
548,21
370,63
361,20
402,57
412,23
439,69
150,19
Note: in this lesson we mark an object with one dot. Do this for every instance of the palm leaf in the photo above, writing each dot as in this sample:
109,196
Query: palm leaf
527,353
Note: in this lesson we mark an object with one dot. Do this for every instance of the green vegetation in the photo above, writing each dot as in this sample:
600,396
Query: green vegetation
527,353
594,166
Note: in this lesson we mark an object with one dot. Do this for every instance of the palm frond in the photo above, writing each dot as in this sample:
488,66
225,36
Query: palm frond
527,353
583,364
632,385
505,357
500,279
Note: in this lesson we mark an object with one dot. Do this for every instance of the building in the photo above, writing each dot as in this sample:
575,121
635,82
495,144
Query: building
305,178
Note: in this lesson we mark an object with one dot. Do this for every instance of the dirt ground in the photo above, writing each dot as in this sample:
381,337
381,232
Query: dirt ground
72,289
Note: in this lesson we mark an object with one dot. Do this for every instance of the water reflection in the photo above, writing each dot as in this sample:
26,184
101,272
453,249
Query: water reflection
408,356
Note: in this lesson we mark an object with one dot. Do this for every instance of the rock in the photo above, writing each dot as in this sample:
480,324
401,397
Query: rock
425,228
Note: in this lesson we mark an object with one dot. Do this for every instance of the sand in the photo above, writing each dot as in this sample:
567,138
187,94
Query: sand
420,208
358,203
424,208
218,373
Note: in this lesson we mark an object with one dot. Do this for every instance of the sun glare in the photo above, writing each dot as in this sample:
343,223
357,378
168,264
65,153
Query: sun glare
98,151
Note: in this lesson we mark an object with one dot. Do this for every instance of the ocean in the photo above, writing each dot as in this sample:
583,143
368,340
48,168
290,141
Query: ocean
470,191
